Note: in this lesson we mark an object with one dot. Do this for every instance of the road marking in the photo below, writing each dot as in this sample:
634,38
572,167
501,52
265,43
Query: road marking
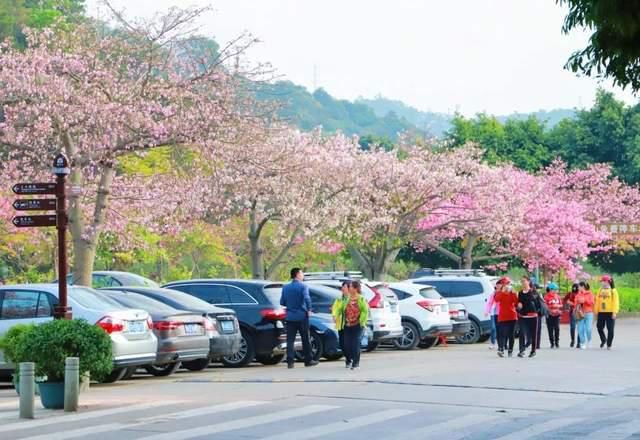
29,424
616,432
82,432
241,423
541,428
448,429
343,425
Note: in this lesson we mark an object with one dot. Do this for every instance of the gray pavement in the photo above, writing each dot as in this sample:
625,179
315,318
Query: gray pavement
454,392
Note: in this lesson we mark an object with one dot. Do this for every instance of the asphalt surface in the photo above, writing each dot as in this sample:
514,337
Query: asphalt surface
453,392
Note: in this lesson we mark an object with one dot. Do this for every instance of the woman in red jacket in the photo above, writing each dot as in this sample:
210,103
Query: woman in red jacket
584,314
506,299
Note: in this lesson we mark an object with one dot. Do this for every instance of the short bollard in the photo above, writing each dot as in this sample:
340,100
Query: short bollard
27,388
71,383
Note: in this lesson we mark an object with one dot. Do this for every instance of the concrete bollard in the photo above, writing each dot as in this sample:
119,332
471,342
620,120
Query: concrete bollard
27,388
71,383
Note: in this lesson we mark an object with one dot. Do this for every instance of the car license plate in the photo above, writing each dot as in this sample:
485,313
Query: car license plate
227,326
136,326
192,329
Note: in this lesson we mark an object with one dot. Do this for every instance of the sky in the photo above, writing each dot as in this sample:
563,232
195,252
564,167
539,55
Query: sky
470,56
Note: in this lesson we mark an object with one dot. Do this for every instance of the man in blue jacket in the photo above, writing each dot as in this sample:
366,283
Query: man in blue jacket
295,297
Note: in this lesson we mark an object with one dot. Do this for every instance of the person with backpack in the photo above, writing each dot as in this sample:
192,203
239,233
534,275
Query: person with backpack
554,306
506,301
570,305
584,314
607,306
528,309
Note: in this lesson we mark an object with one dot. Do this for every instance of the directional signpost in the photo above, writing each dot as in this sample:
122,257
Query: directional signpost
59,220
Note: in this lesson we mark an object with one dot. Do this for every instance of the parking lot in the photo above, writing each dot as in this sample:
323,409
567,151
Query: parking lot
452,392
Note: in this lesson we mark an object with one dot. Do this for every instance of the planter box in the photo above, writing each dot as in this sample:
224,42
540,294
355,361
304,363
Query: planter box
52,395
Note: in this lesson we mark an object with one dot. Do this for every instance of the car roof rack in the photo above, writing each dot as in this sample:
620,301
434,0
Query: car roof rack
443,272
353,275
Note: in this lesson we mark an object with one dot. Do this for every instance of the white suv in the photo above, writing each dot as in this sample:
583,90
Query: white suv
383,303
425,315
469,287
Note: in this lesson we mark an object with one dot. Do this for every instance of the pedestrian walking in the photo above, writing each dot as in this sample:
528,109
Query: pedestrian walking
607,306
542,311
570,305
584,314
554,306
295,297
338,317
355,311
506,301
528,309
491,311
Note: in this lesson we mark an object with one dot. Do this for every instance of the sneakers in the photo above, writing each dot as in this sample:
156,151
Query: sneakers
347,364
311,364
492,346
290,365
510,354
501,354
602,344
583,347
609,348
355,367
532,354
521,354
572,344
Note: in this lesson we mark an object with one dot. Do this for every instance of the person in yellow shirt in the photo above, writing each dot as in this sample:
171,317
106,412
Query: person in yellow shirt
607,306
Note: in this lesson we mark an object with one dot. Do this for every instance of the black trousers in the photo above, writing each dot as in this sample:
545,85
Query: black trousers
528,333
553,326
293,328
539,331
352,337
606,318
506,335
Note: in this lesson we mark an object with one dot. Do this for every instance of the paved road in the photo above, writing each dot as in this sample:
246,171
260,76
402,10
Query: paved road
455,392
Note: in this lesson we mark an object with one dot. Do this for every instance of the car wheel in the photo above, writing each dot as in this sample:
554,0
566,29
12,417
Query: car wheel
244,355
472,336
371,346
129,373
273,359
409,339
317,347
428,342
162,370
197,365
115,375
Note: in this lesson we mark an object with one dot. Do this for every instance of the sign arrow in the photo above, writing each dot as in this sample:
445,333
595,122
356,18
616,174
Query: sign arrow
34,221
34,188
35,205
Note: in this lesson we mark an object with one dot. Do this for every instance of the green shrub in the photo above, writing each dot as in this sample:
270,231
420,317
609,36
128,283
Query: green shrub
629,299
11,344
630,279
49,344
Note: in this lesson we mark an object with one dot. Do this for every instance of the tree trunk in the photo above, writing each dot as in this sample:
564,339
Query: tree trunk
466,260
256,251
269,271
374,264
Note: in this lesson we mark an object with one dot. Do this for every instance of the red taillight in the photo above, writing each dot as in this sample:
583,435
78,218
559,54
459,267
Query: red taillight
167,325
377,302
425,304
274,314
110,324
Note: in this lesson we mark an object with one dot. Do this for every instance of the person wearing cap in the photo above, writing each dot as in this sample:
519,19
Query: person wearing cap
506,301
554,306
606,306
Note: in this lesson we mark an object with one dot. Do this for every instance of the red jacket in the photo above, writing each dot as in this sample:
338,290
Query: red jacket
554,303
507,302
587,300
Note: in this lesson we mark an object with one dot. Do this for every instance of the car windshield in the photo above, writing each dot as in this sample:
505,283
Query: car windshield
430,293
273,294
92,299
137,301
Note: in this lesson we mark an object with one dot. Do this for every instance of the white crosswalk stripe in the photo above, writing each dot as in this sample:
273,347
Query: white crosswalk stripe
343,425
452,429
110,427
540,428
616,432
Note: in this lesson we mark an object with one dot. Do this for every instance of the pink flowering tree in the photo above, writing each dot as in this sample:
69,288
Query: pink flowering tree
298,184
102,98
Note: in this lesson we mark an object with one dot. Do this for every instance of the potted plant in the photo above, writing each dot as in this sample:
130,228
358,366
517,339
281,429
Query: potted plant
9,344
49,344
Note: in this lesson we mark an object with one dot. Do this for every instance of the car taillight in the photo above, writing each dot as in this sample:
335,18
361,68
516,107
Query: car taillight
167,325
377,302
110,324
274,314
425,304
209,325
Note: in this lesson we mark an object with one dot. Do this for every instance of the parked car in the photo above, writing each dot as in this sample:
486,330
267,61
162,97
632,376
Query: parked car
459,320
257,304
224,333
134,343
425,315
182,336
108,278
383,310
469,287
322,298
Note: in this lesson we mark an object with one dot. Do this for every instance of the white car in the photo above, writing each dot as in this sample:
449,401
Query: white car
384,310
133,341
469,287
425,315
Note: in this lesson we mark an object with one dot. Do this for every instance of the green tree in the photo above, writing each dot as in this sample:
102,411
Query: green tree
613,50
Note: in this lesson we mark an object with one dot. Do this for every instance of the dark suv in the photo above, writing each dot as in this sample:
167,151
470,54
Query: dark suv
256,304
